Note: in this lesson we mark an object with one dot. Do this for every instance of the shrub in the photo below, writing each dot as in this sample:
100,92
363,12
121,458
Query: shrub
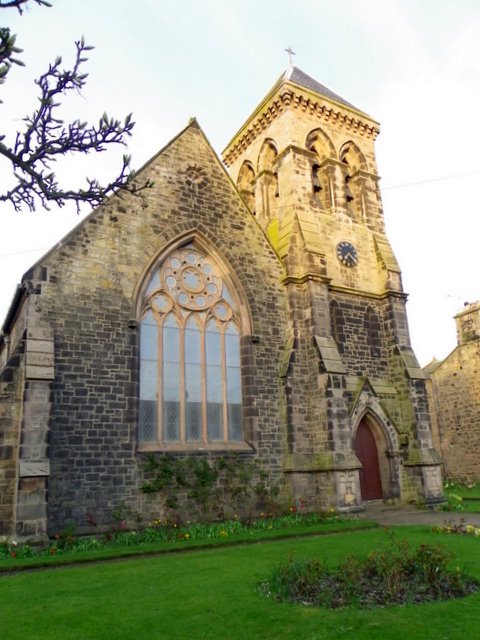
395,574
454,503
209,489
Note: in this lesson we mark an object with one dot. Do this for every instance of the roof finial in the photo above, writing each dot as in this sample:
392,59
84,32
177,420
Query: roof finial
290,54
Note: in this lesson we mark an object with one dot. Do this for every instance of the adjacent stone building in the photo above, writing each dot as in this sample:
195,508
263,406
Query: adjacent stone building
454,392
257,312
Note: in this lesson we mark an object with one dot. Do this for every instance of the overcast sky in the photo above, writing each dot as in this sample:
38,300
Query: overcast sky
413,65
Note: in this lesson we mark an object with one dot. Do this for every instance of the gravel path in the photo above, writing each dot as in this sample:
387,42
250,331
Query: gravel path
411,514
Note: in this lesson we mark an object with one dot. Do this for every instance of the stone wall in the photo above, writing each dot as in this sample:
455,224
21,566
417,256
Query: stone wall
358,326
455,391
88,298
11,392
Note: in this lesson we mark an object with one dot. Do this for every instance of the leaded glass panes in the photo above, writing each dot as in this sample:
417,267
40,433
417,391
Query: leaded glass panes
193,381
214,403
234,383
148,408
213,344
190,376
149,338
171,396
148,420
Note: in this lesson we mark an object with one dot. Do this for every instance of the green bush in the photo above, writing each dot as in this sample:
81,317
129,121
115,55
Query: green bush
210,488
396,574
454,503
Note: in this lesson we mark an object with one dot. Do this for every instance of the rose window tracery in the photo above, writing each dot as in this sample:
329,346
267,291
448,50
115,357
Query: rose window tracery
192,279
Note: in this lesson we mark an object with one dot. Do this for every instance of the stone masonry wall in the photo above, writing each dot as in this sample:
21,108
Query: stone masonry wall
456,393
88,297
11,389
358,327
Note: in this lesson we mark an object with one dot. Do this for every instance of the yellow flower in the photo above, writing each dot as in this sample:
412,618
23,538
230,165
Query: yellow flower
236,515
187,535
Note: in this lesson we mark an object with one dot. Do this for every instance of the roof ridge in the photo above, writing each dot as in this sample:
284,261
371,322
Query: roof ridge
297,76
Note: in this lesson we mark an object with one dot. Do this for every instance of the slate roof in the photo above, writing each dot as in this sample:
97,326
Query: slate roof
297,76
294,76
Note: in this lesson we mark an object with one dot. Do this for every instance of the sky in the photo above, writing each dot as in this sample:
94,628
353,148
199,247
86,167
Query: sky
413,65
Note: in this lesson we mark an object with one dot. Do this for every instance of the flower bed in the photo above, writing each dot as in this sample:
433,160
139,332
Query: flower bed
394,575
461,527
166,531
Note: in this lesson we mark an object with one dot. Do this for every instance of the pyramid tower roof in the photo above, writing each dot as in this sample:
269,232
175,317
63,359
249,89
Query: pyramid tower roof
293,89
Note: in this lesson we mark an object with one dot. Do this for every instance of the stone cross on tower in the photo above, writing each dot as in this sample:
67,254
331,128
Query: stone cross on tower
290,54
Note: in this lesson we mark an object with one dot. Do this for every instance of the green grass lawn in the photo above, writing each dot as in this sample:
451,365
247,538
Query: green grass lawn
471,506
471,492
212,594
470,495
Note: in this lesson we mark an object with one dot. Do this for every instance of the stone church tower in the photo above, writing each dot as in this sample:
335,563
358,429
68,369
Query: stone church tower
357,416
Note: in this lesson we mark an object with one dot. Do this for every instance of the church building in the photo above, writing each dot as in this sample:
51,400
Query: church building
453,388
252,308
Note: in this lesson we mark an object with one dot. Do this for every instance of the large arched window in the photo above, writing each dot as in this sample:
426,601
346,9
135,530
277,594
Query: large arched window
190,382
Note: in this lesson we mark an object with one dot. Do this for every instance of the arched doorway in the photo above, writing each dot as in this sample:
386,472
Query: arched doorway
366,449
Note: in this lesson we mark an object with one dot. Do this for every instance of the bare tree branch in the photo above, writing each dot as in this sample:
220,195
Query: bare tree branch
19,4
46,137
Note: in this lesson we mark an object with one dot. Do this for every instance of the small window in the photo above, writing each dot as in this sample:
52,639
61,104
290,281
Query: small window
190,373
337,325
372,325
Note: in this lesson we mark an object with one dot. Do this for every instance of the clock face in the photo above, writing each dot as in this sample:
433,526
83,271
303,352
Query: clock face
347,254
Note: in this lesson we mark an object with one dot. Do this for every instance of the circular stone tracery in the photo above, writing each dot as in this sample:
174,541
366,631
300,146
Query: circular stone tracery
191,279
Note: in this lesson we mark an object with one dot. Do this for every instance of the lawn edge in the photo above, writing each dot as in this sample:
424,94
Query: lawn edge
132,553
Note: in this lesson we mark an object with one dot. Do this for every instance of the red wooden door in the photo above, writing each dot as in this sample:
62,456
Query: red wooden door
367,452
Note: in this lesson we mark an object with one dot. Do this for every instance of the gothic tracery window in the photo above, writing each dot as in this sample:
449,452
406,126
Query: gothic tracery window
190,381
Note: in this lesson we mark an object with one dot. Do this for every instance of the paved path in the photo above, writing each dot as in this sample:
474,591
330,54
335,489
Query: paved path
410,514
